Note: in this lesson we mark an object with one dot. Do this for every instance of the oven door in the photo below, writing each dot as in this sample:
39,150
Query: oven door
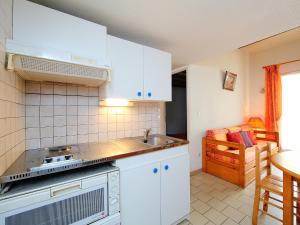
74,203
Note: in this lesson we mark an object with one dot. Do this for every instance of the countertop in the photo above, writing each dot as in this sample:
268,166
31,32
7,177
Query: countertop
90,152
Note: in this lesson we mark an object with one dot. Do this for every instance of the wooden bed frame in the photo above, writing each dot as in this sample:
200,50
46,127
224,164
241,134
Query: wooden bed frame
240,174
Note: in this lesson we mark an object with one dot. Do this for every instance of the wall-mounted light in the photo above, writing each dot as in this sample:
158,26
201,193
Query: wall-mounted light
115,102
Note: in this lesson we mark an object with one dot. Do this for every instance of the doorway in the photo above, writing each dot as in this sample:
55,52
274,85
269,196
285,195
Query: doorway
290,119
176,111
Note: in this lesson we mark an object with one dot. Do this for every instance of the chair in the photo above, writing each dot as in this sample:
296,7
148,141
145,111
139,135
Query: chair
271,184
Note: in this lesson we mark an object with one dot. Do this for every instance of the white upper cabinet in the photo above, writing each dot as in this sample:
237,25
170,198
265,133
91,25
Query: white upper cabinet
138,72
127,70
157,75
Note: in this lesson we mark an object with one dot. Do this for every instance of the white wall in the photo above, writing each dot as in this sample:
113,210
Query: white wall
274,55
209,106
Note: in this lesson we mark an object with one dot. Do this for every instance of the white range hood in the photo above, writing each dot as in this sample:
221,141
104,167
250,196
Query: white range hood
49,45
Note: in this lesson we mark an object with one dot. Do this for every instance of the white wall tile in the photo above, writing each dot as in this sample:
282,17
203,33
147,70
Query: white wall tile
60,89
32,133
60,121
60,131
46,121
72,100
60,110
72,89
58,141
33,121
71,130
46,111
33,143
33,99
60,100
46,132
83,91
47,88
46,99
47,142
70,114
33,87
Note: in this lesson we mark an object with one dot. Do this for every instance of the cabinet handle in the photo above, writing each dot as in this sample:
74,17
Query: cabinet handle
166,167
155,170
139,93
149,94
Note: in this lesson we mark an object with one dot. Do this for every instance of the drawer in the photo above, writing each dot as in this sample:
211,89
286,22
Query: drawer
24,200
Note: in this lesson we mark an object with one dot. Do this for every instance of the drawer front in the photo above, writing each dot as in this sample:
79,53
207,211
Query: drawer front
24,200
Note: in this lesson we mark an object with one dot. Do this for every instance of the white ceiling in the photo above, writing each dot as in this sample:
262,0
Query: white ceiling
192,30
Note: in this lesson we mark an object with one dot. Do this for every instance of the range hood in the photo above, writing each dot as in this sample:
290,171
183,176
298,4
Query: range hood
49,45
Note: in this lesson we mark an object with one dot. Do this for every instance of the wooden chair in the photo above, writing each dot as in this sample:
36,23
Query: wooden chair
269,184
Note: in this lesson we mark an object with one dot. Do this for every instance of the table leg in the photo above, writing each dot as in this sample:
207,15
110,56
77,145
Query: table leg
287,199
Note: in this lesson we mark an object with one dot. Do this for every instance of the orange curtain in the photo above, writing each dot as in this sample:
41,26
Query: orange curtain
273,97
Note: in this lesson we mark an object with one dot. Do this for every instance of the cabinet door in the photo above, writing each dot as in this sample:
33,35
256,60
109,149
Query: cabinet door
140,195
127,69
175,189
157,75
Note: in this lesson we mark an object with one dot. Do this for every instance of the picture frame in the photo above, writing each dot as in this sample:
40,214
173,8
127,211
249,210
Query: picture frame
229,81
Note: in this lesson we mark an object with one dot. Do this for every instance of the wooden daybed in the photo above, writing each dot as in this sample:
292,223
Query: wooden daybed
235,164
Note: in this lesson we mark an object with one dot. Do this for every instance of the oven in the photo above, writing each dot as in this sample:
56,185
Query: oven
91,200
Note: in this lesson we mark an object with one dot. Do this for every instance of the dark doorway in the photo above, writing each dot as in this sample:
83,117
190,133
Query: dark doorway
176,115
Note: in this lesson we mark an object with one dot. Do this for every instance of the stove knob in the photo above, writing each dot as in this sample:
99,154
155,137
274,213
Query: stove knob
48,160
67,157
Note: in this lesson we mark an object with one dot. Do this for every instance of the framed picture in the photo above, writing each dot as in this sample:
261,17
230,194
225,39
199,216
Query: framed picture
229,81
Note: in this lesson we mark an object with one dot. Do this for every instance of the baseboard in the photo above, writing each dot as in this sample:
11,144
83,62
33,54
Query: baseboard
195,172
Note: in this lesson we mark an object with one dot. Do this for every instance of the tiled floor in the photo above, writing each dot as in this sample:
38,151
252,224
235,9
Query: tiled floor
215,201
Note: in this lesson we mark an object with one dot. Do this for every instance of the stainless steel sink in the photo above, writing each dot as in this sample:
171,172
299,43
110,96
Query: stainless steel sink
158,141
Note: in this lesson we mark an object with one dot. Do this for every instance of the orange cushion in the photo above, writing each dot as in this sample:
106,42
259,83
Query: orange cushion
217,134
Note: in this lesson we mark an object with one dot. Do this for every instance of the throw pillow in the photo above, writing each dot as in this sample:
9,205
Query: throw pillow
235,137
246,139
252,137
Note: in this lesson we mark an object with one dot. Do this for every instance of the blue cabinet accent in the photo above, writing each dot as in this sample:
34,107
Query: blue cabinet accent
155,170
166,167
139,93
149,94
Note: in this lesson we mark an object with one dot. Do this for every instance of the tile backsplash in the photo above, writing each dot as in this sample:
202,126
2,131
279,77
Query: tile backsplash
59,114
12,98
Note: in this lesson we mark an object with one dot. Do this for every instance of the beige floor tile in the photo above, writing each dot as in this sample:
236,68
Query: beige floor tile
218,195
234,214
195,182
210,223
246,199
193,198
194,190
217,204
233,202
246,221
205,188
215,216
200,206
229,222
246,209
267,220
197,219
203,196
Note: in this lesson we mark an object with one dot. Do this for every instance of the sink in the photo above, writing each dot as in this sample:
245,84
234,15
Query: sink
158,141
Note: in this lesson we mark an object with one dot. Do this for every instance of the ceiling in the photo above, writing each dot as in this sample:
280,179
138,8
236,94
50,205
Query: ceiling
275,41
192,30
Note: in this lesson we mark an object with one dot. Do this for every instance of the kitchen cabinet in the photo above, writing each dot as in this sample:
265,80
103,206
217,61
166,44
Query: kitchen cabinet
157,75
154,187
138,72
175,197
127,70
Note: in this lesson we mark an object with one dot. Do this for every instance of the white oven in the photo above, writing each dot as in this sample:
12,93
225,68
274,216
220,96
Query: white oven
91,200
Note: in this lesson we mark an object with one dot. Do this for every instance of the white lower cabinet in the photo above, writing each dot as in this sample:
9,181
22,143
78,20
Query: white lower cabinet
154,187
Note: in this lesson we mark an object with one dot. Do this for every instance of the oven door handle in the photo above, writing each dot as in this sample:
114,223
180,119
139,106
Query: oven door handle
62,190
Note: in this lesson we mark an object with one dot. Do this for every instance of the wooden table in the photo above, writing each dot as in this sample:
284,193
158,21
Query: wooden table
289,163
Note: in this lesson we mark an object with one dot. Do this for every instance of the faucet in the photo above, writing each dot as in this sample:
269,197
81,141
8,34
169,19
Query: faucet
146,134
